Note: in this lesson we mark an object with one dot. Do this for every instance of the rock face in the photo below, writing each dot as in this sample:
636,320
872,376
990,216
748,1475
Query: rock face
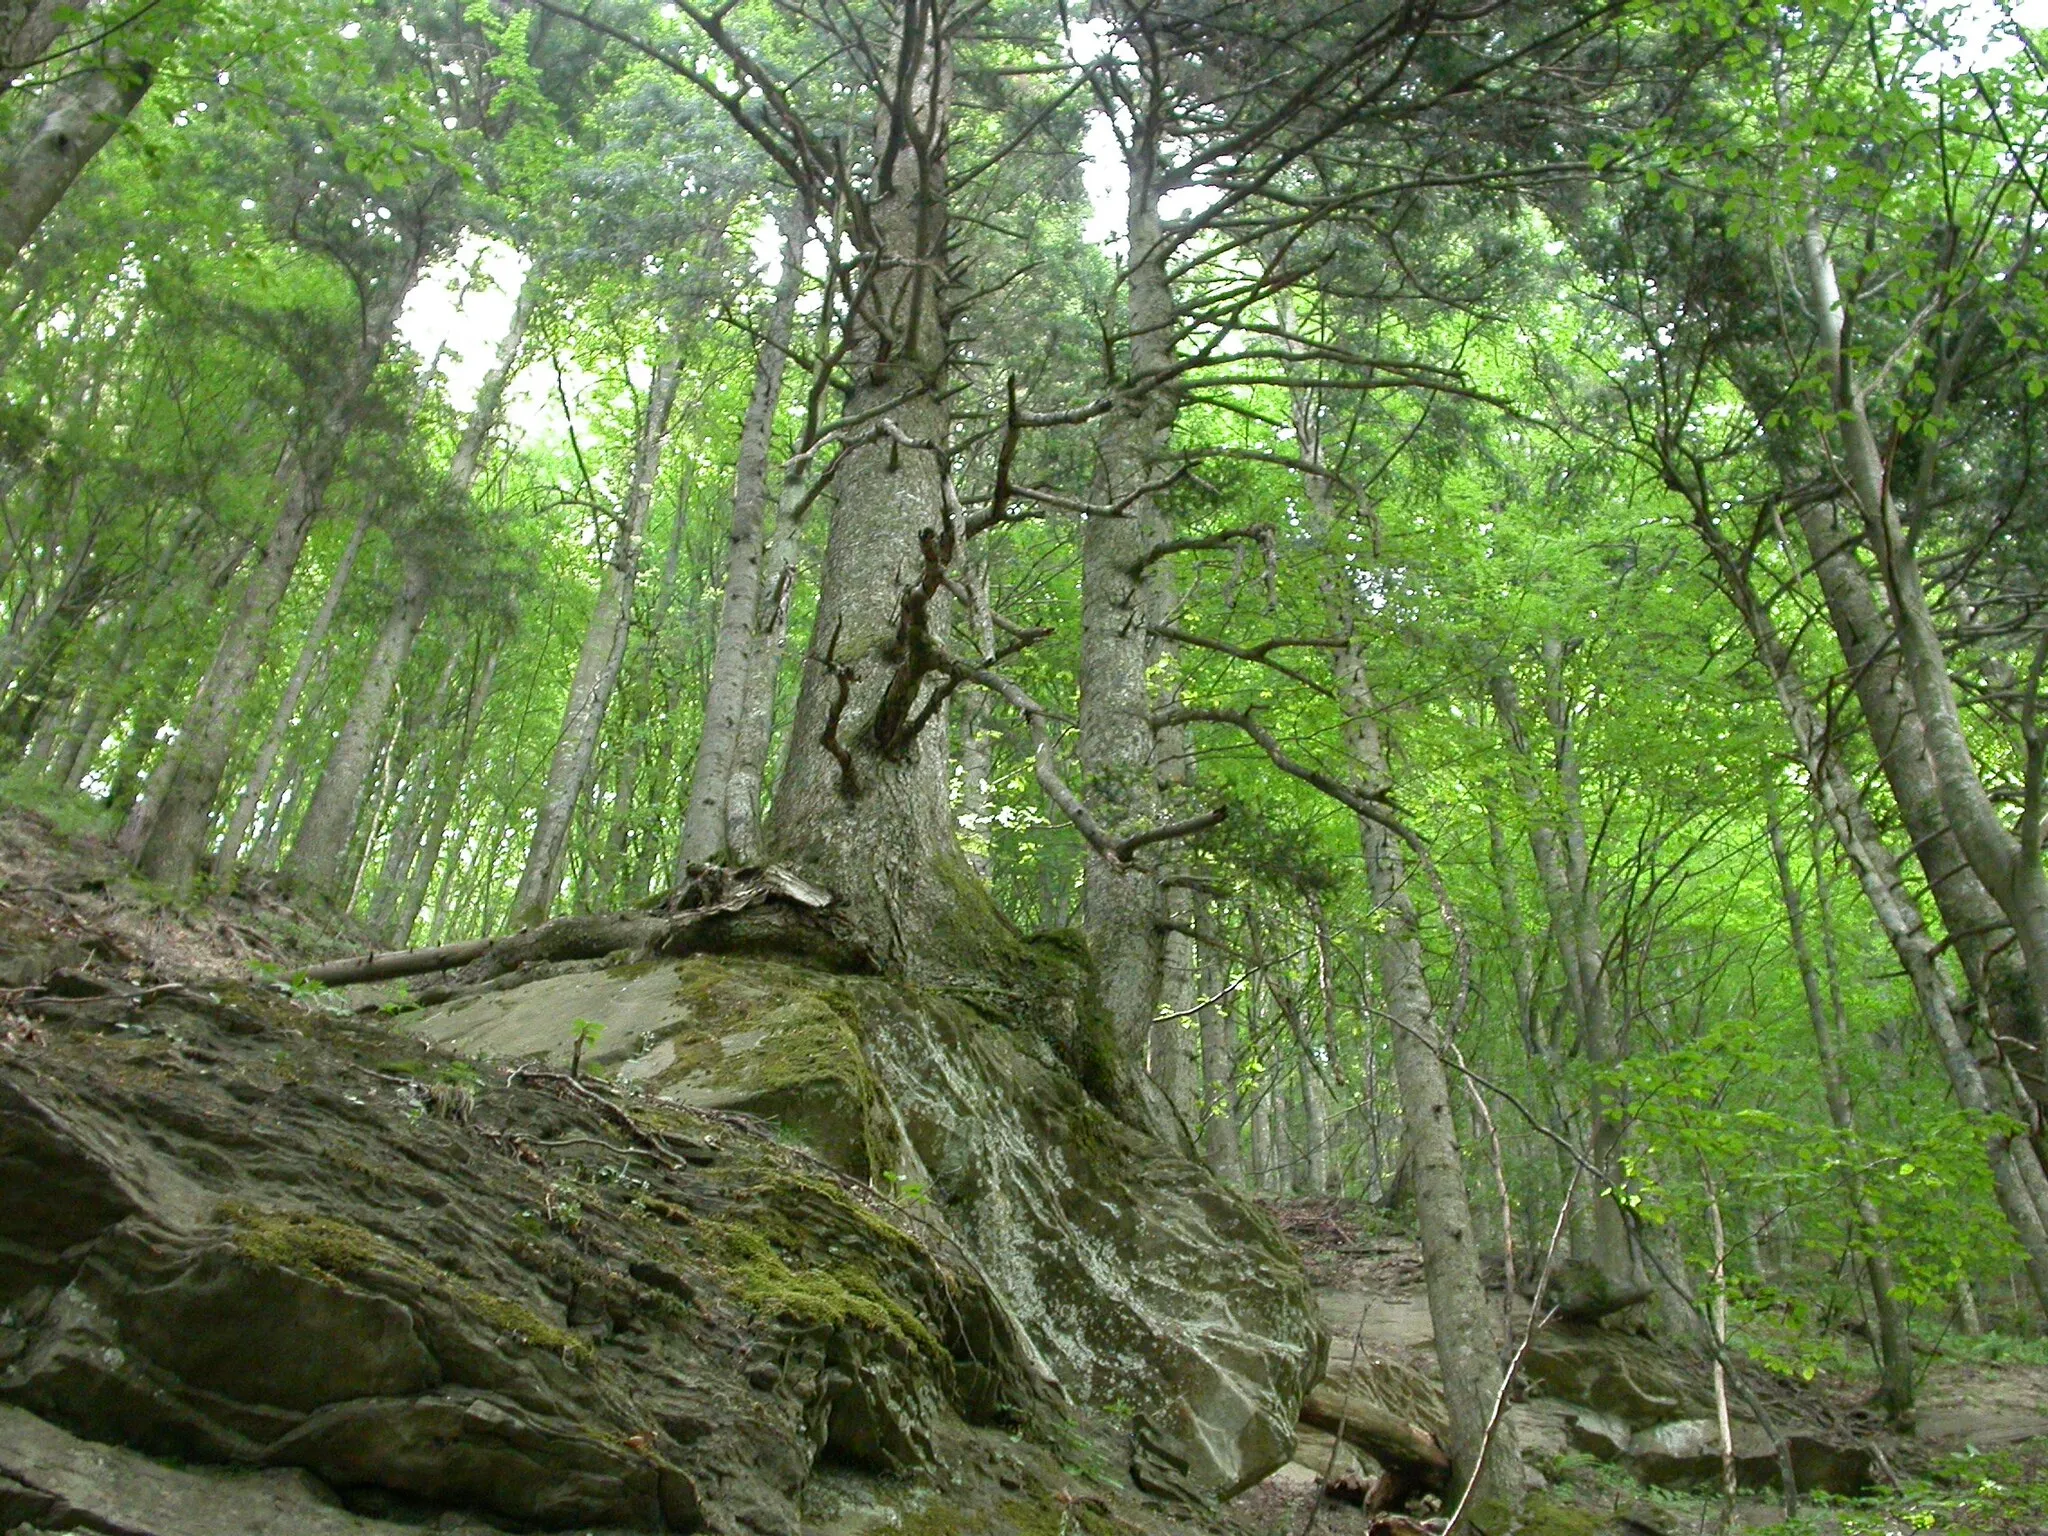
1137,1278
815,1228
60,1482
1651,1408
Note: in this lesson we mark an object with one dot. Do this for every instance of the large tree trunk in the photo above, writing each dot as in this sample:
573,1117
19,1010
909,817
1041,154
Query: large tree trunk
167,833
863,805
244,816
319,852
27,29
57,138
1121,906
1467,1347
597,667
706,833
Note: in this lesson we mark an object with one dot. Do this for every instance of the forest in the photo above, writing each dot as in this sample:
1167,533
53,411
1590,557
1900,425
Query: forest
1486,557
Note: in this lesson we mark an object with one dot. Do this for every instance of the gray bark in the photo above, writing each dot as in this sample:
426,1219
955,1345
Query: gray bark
57,139
1467,1346
2008,864
706,832
1121,906
862,806
2016,1172
319,851
251,798
27,30
597,667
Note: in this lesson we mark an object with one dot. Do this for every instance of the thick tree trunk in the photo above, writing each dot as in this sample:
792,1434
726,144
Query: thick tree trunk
1121,905
244,816
597,667
706,834
57,138
168,832
319,851
1467,1348
862,807
27,30
1894,1344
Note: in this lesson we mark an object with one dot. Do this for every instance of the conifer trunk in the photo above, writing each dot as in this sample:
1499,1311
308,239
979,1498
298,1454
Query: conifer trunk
862,806
1121,906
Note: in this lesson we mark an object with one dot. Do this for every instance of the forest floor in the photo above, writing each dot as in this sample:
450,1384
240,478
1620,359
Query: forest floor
1978,1466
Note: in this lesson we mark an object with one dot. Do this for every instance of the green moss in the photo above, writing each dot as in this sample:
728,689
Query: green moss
800,1249
808,1041
341,1250
1540,1515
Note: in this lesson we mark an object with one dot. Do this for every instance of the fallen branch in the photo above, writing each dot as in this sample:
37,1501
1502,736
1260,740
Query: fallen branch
386,965
709,892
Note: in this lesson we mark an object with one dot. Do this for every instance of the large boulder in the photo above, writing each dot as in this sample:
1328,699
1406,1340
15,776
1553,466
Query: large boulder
810,1238
1622,1375
1142,1283
1651,1408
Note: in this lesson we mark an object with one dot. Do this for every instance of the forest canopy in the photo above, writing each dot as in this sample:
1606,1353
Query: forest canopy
1490,557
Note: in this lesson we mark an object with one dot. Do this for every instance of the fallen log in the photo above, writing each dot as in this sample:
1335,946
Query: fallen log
1401,1446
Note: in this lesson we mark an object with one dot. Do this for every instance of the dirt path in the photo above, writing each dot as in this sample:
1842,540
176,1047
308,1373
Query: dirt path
1370,1291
